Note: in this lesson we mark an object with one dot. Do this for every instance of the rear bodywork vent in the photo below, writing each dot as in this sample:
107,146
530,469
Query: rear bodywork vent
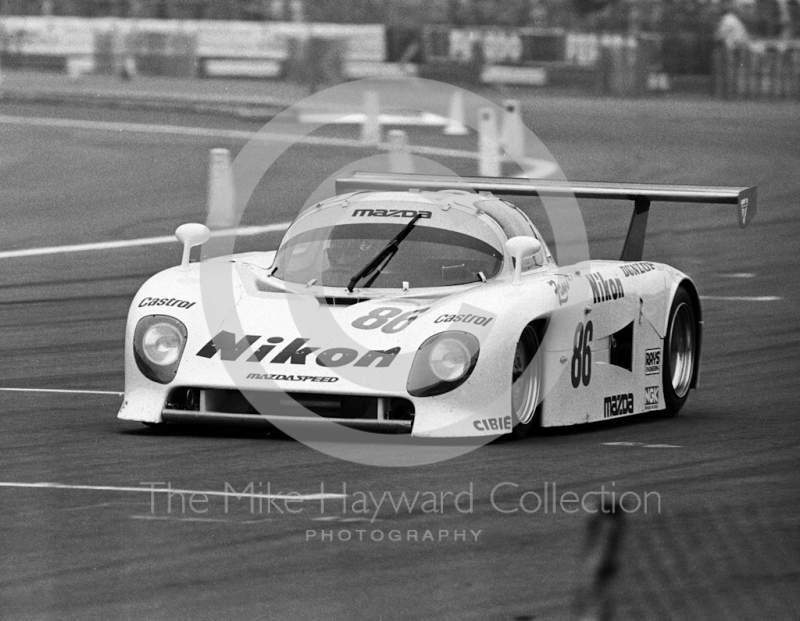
621,354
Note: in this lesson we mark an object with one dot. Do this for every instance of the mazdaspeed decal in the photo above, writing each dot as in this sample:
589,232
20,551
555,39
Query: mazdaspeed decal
295,352
166,302
391,213
291,378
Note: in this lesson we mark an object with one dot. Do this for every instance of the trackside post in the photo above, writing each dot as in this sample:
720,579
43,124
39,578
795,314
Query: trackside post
221,196
399,157
488,147
594,599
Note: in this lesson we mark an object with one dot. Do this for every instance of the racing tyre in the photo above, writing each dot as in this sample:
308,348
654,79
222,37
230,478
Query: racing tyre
680,352
525,385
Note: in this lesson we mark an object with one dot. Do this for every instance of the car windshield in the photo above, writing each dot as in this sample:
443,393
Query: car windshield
428,257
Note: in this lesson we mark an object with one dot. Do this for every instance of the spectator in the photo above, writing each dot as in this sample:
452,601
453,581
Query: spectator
731,30
785,29
731,51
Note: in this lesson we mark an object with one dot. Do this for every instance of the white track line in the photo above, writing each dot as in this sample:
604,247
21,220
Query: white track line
176,518
143,241
64,391
149,489
641,445
742,298
205,132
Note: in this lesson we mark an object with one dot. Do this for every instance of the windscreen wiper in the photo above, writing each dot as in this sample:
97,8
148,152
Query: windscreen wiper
384,255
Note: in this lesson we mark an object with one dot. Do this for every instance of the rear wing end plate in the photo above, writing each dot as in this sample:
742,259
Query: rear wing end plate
642,194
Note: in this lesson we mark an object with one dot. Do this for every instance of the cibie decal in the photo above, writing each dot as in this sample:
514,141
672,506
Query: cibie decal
561,287
618,405
230,348
605,289
473,319
166,302
291,378
650,398
652,361
493,424
635,269
390,213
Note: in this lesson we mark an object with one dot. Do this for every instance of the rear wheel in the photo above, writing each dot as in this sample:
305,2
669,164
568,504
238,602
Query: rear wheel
680,352
525,385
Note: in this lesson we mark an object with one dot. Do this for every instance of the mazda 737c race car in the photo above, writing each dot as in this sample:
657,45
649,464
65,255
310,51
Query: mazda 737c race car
420,304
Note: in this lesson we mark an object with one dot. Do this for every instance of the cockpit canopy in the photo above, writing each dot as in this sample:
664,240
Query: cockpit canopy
451,243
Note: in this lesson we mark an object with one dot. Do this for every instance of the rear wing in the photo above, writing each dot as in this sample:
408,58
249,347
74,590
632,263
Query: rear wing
642,194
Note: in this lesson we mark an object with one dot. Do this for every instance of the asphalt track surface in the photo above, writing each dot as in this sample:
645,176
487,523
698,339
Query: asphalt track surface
79,553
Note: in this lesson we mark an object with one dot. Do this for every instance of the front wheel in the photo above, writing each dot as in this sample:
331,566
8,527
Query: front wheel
525,385
680,352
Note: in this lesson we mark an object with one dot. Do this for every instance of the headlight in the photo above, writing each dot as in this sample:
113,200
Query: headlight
449,359
158,343
162,344
442,363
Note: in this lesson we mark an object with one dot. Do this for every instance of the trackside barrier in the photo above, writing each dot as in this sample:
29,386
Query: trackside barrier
594,600
765,71
315,62
630,66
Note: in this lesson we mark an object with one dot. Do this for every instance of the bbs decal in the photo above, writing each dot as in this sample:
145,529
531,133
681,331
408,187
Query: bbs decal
380,318
652,361
581,366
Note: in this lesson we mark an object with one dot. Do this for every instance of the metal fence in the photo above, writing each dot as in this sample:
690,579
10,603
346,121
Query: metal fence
771,72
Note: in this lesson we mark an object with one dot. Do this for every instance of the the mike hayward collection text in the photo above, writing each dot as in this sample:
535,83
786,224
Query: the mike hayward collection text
344,501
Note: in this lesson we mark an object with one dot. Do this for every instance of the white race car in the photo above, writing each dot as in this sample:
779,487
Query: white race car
423,305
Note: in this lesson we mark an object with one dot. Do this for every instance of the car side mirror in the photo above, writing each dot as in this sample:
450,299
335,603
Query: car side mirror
522,248
190,235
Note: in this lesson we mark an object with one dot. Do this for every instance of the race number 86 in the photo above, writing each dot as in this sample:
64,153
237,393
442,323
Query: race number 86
581,366
379,317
